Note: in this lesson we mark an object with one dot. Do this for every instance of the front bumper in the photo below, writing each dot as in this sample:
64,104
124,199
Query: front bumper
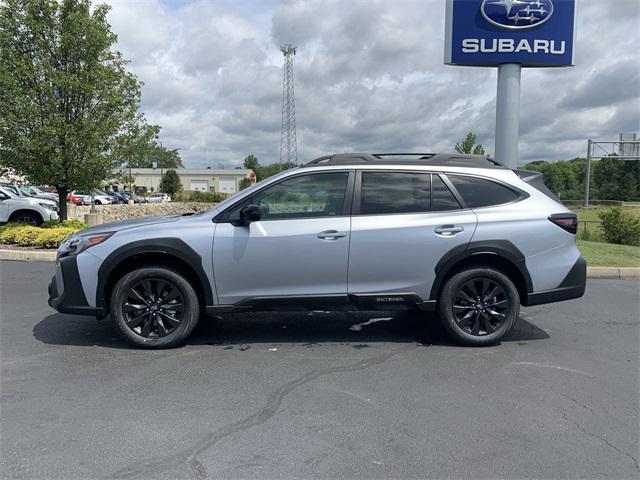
573,286
65,290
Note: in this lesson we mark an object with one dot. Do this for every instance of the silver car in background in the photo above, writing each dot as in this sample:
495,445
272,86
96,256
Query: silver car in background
158,198
459,235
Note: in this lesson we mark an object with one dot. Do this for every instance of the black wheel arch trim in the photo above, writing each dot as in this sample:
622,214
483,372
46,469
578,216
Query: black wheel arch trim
503,249
168,246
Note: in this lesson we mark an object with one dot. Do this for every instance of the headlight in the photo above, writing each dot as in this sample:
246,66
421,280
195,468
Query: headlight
77,244
49,206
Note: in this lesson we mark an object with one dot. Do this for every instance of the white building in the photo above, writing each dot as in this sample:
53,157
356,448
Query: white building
203,180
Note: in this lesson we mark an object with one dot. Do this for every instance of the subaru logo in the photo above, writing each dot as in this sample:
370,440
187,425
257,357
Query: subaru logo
516,14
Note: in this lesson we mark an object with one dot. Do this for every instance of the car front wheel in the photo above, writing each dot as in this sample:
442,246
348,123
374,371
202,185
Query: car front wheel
29,218
478,306
154,307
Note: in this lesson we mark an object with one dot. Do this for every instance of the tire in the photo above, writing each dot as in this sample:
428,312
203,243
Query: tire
30,218
478,306
97,202
156,322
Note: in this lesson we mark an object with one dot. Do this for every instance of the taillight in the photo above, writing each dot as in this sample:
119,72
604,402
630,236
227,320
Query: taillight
566,221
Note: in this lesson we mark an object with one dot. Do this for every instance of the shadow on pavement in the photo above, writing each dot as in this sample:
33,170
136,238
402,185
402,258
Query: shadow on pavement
357,329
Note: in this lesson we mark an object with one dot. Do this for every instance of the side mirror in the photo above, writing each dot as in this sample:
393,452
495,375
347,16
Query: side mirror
250,213
3,196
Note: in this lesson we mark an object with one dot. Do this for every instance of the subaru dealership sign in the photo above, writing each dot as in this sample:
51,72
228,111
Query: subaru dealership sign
531,33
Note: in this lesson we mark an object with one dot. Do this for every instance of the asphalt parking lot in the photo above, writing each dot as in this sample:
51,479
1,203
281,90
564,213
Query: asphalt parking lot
302,395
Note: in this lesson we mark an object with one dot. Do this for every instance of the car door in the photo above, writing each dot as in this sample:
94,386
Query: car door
404,222
298,248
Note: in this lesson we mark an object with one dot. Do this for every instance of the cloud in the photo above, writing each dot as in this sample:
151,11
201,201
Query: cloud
369,76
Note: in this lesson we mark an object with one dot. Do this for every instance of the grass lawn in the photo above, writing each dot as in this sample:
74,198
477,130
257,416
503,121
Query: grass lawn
600,254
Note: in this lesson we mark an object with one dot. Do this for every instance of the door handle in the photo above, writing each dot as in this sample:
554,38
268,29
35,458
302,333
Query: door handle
331,235
449,230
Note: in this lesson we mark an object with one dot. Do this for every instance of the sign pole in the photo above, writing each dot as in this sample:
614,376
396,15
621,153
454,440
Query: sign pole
587,175
508,114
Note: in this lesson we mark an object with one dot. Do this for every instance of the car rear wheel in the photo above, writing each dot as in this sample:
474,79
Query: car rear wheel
154,307
478,306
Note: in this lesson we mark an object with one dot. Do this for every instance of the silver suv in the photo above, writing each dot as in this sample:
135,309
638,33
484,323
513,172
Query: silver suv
457,234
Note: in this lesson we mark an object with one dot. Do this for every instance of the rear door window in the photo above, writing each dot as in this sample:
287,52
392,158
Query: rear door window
394,192
481,192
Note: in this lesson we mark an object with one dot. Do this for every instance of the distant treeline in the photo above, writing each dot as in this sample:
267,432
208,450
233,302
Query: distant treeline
611,178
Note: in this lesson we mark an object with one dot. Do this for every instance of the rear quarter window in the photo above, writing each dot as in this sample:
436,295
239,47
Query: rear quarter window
481,192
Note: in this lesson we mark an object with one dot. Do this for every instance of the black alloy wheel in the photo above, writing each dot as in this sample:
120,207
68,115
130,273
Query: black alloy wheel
153,308
480,306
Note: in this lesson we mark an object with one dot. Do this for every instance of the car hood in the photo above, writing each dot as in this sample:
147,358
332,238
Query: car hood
130,223
34,200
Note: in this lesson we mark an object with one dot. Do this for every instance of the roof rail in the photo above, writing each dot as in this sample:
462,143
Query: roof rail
436,159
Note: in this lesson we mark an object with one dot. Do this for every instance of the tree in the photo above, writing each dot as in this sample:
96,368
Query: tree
245,183
65,94
170,182
468,145
166,158
251,163
138,147
265,171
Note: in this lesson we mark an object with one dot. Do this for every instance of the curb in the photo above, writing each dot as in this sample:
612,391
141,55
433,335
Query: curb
27,255
619,273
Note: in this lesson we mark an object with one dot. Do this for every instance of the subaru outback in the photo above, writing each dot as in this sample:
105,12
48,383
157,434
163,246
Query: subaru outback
460,235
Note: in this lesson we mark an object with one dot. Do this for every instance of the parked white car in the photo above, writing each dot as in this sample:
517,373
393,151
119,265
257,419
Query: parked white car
158,198
102,198
30,210
84,198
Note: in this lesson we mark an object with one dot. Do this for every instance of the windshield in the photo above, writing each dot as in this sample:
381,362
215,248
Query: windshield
12,189
27,192
8,192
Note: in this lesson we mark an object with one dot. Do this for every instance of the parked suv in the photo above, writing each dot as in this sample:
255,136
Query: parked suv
457,234
33,211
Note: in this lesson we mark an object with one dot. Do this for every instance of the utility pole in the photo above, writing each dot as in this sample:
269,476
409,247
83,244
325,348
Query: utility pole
288,142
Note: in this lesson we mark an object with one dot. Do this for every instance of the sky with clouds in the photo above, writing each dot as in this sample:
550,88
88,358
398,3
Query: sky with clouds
369,76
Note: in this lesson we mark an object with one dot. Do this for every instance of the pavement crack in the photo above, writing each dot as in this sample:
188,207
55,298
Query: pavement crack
272,405
602,439
580,404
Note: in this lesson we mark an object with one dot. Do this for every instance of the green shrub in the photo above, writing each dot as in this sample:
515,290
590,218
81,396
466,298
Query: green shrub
619,226
77,224
53,237
30,236
19,234
197,196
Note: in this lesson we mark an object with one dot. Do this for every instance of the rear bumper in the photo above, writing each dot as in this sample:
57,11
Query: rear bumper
65,290
573,286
